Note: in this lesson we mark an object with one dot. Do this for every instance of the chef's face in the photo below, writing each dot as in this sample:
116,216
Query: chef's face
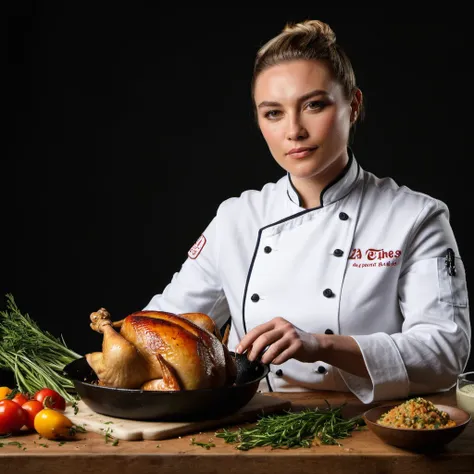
304,118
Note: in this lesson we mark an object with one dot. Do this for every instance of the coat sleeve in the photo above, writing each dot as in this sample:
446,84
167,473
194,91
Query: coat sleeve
197,286
433,345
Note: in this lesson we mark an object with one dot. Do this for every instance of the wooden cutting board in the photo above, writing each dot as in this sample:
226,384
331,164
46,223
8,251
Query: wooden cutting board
131,430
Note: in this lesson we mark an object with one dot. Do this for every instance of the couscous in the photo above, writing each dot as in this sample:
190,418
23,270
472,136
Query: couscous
416,413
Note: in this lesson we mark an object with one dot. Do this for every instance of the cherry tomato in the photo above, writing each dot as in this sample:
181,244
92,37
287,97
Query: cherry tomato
50,399
20,398
4,392
53,424
31,408
12,417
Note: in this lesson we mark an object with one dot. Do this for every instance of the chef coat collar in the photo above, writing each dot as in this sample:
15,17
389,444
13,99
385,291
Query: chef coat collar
335,190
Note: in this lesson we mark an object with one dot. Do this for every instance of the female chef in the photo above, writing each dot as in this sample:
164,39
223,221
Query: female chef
337,279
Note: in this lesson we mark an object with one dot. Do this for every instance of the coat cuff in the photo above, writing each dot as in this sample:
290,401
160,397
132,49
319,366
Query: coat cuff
388,375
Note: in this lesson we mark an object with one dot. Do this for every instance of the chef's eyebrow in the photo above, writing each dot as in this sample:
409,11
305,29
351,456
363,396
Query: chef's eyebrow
304,97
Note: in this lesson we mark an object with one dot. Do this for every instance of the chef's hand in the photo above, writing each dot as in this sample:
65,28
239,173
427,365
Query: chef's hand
282,341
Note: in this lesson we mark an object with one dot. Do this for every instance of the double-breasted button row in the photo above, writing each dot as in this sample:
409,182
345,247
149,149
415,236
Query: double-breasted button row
338,252
328,293
321,370
255,297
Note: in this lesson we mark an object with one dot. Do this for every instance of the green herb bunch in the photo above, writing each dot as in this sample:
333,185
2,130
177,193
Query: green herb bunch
34,356
294,429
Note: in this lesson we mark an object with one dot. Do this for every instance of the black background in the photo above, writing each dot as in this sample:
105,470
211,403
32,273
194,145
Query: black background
127,126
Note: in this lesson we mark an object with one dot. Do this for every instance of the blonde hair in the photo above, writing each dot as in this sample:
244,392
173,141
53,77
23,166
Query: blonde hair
309,40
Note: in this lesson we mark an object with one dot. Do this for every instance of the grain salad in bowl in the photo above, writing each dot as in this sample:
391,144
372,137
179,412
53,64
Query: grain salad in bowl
416,424
416,413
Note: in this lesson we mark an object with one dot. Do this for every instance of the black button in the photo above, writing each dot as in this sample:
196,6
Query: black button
255,297
329,331
327,293
343,216
321,369
279,373
338,253
267,249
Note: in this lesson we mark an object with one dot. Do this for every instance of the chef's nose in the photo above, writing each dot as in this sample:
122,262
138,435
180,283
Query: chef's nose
296,129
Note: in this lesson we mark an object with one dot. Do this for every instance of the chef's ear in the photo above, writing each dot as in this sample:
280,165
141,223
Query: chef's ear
356,105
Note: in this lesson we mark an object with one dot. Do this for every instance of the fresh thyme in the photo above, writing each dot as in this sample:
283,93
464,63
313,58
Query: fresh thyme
109,438
77,429
13,443
203,445
294,429
34,356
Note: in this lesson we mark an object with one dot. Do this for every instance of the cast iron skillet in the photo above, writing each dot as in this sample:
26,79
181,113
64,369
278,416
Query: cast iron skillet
182,405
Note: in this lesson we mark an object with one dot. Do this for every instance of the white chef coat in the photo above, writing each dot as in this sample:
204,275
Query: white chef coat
369,262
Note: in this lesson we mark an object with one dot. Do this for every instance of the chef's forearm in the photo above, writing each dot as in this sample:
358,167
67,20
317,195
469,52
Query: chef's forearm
342,352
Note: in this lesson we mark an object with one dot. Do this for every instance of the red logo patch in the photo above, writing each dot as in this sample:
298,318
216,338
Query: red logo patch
375,257
195,250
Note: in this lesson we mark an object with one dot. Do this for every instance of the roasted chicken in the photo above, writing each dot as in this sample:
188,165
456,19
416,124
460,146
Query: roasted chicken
156,350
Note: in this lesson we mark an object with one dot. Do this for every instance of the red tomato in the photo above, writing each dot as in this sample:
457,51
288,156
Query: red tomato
12,417
50,399
20,398
31,408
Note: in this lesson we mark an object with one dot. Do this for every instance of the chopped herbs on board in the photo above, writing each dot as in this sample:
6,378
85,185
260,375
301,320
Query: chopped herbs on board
208,445
294,429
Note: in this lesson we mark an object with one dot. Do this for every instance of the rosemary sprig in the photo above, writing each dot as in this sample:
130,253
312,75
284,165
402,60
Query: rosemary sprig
294,429
34,356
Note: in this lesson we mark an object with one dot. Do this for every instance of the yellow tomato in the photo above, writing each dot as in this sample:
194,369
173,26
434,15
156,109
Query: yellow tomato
4,392
52,424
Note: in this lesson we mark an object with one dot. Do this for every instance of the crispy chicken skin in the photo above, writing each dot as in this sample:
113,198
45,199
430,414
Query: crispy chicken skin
156,350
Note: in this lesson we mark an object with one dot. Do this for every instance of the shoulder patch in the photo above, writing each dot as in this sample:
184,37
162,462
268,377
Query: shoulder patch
195,250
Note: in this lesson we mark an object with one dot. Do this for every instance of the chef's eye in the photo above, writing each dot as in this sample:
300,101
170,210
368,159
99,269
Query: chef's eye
272,114
316,105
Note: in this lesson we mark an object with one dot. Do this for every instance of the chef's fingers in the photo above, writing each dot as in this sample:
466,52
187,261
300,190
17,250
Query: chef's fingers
247,341
262,344
274,351
283,356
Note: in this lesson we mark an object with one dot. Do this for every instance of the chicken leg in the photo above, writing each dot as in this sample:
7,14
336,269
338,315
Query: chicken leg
119,364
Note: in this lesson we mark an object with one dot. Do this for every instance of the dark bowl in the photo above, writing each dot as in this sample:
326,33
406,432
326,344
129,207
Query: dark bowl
417,439
182,405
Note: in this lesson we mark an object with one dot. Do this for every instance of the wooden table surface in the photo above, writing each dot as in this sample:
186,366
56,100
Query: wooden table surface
361,453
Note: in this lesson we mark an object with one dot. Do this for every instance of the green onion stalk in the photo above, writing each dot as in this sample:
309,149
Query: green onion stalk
34,356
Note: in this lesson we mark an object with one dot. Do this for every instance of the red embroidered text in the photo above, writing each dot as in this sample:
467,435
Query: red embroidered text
375,257
374,254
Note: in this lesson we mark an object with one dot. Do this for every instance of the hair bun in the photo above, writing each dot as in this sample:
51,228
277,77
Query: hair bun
312,28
